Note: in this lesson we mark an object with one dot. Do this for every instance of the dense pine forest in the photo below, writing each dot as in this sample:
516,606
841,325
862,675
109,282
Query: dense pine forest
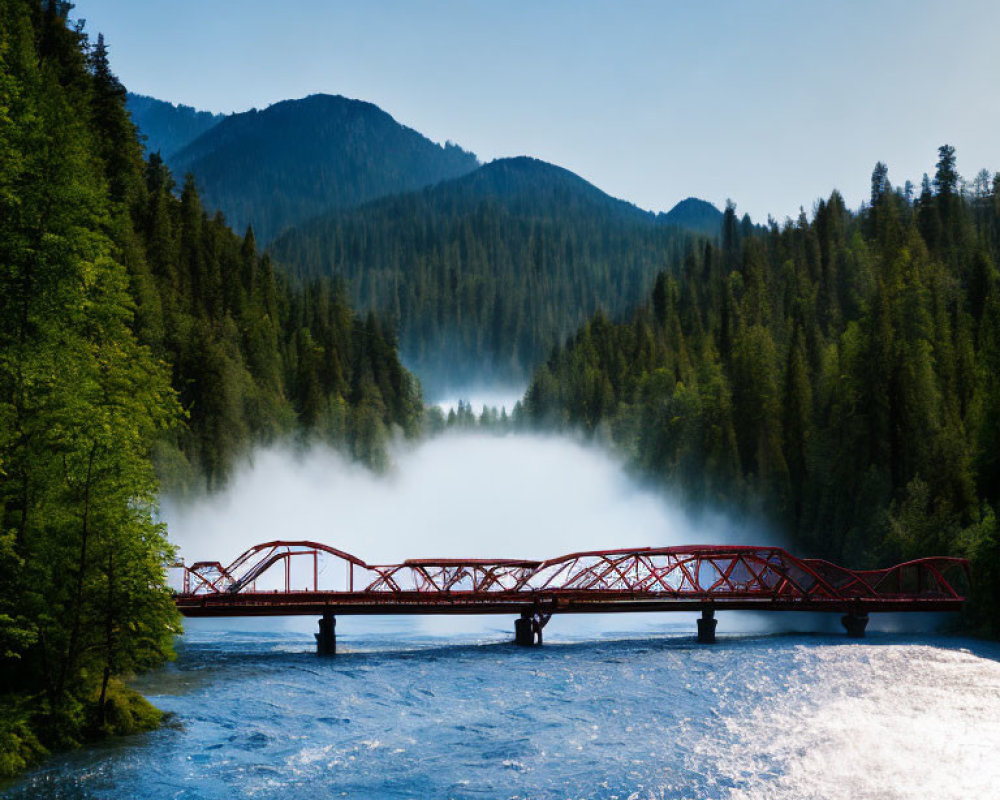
837,377
254,355
136,330
483,275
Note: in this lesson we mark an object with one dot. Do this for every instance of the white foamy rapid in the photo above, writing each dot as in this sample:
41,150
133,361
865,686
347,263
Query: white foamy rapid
867,722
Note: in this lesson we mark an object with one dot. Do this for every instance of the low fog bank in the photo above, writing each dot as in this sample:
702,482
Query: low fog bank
473,495
461,494
456,495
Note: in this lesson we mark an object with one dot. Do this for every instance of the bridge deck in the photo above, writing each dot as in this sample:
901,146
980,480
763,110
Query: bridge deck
313,604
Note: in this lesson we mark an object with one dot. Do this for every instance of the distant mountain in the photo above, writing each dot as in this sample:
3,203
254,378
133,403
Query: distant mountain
301,158
695,215
486,273
168,127
532,187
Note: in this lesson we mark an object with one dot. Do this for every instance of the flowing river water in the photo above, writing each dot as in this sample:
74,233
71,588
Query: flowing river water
610,707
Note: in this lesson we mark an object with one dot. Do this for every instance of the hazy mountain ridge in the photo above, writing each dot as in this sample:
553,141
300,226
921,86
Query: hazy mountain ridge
298,159
529,187
168,127
486,269
526,185
486,273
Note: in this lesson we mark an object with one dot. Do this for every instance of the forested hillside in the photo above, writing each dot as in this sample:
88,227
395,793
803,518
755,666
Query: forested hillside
301,158
164,127
484,274
134,328
839,377
254,355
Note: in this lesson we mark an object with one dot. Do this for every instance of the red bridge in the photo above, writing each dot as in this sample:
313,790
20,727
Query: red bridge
286,577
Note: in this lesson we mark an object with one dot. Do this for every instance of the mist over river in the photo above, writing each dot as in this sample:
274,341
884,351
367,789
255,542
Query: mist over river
460,494
615,706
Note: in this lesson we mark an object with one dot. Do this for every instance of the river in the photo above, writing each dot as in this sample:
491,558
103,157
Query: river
610,707
257,714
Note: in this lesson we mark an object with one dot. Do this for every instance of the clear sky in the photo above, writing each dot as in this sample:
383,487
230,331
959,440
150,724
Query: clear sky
770,103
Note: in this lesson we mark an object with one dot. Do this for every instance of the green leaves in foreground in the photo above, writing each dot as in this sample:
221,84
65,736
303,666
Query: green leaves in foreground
81,401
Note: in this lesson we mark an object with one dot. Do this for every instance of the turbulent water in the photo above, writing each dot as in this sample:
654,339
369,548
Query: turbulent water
621,706
404,716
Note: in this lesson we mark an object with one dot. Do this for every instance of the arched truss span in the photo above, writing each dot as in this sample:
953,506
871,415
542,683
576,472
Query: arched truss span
301,576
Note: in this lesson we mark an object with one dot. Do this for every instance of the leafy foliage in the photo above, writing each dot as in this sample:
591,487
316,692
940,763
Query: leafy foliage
254,355
134,328
81,398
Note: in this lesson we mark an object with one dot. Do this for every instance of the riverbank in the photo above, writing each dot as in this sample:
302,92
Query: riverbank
23,726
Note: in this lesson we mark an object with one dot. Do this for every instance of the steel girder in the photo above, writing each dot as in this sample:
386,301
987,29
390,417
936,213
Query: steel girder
260,582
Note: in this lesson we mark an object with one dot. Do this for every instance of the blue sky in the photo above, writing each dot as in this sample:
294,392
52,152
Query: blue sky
773,104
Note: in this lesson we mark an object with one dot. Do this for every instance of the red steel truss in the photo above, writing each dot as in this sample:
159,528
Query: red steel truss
300,577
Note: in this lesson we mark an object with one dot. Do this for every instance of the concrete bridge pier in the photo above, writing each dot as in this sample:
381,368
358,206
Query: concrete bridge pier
523,633
854,623
528,629
326,639
706,626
